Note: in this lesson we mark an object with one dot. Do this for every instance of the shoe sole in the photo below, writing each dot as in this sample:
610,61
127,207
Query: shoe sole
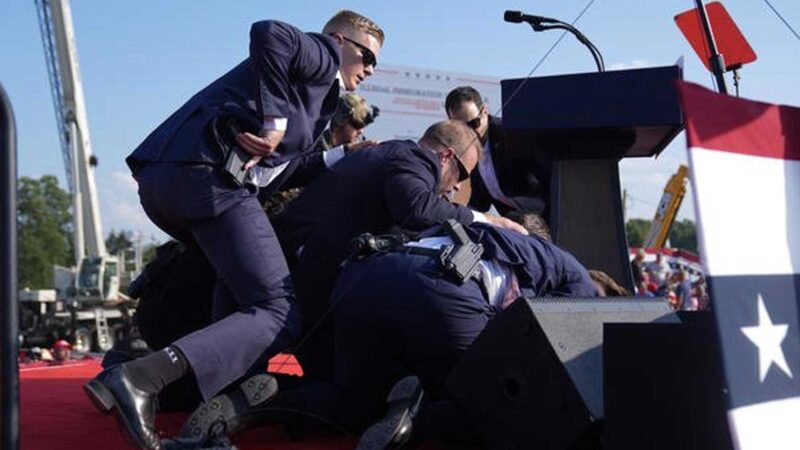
404,399
230,408
104,401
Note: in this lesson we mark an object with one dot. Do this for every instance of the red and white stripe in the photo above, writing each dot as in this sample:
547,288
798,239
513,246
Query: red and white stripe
745,166
745,169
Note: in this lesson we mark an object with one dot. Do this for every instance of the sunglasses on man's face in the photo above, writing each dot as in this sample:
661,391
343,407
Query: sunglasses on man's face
367,57
463,173
475,123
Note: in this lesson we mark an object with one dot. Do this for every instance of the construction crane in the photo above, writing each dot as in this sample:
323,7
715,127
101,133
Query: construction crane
98,272
667,209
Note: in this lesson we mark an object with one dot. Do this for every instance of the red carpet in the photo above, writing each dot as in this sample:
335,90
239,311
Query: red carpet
55,413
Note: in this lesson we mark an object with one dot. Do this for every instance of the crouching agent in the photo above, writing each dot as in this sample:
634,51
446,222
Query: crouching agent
198,173
413,309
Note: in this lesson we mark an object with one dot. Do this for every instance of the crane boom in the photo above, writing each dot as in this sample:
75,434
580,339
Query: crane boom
61,54
667,209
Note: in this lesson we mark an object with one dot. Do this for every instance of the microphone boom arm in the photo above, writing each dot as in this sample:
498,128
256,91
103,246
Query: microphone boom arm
598,58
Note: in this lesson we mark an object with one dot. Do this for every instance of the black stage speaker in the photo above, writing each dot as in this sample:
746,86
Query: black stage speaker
534,378
663,386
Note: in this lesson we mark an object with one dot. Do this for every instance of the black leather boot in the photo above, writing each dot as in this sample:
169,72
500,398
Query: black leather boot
394,429
112,391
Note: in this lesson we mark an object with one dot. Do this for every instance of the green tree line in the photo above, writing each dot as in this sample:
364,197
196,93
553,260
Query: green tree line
45,232
683,234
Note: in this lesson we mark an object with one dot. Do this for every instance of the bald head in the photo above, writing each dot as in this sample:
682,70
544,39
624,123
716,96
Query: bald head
458,150
453,134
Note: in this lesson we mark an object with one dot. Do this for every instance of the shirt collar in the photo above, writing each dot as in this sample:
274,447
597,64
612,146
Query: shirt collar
341,81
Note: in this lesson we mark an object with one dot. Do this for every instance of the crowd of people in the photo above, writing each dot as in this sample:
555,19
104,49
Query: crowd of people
371,274
659,278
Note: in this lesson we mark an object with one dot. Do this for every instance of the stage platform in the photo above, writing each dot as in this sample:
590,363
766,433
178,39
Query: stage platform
55,413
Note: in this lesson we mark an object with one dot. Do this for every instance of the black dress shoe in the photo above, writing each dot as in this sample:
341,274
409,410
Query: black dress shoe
394,430
216,440
134,409
233,409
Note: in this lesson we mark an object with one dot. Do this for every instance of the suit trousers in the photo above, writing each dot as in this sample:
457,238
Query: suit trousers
394,314
253,312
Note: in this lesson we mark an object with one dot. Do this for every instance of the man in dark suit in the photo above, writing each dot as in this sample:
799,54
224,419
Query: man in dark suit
498,182
399,312
397,184
272,106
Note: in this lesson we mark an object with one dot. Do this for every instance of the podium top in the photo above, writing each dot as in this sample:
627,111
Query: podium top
595,115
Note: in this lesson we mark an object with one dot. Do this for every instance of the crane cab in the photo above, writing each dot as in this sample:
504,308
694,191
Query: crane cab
98,279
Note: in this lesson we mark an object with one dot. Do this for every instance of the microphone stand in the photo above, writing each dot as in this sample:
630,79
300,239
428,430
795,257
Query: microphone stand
598,58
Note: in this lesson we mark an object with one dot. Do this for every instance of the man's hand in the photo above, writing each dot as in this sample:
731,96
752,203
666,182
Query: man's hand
502,222
354,147
260,146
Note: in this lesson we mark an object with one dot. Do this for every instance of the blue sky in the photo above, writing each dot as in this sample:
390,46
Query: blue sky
142,59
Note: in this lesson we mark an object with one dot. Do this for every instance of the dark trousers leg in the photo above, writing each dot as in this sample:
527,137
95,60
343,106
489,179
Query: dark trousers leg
313,285
396,315
252,275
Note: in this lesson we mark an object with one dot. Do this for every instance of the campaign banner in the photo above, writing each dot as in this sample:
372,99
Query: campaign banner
744,161
411,99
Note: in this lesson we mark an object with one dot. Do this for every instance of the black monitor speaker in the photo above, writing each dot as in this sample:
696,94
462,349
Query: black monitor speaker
534,377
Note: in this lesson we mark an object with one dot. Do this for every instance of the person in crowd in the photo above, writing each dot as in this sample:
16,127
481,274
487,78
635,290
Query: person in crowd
701,293
497,182
62,351
683,291
659,271
646,288
198,175
636,269
397,184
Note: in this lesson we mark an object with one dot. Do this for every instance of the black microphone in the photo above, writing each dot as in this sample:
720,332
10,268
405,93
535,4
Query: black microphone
518,17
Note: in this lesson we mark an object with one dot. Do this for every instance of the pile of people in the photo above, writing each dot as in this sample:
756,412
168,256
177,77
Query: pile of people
370,275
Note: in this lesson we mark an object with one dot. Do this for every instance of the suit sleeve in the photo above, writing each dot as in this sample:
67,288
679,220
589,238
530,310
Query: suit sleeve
409,189
280,55
574,280
304,169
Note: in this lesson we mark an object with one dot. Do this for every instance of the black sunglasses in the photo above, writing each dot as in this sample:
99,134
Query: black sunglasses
367,57
463,173
475,123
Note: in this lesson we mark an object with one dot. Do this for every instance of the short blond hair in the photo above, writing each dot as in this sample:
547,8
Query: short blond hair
454,134
346,20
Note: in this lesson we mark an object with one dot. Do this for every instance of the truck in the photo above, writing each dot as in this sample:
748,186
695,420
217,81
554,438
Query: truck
86,306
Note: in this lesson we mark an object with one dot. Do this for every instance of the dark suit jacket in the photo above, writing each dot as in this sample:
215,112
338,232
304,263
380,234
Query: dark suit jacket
371,191
391,185
542,268
526,186
288,74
